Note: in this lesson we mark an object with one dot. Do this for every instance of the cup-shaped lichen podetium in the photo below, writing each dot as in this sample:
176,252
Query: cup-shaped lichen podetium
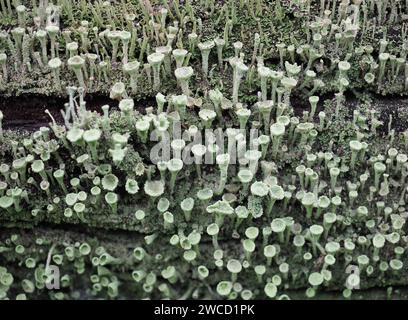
223,161
126,106
92,137
383,57
334,173
276,76
313,100
278,226
118,91
180,104
212,230
304,129
170,274
177,146
168,220
292,69
265,108
187,206
132,69
174,166
155,60
6,203
308,201
110,182
263,141
117,153
241,213
270,290
37,166
234,267
41,35
198,151
85,249
114,38
314,233
205,195
344,66
252,233
277,130
166,52
322,204
96,195
142,129
205,48
207,116
264,73
379,169
315,280
249,247
179,55
125,37
52,31
253,156
259,189
131,186
154,189
239,71
120,139
18,34
329,219
203,272
216,98
245,176
289,84
378,243
105,259
192,41
72,48
59,177
76,63
160,100
220,44
369,78
20,165
163,205
243,115
55,65
75,135
355,147
183,75
111,199
220,209
275,193
299,241
6,280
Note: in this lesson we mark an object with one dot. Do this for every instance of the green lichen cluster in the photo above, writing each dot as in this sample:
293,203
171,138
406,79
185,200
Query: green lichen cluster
305,192
97,44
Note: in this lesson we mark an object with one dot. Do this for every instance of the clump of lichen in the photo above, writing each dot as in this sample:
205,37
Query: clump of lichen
254,174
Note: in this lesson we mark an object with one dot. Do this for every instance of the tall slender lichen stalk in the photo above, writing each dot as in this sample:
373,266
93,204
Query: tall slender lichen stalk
239,70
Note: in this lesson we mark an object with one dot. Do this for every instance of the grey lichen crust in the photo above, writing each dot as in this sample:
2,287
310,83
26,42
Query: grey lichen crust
306,192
